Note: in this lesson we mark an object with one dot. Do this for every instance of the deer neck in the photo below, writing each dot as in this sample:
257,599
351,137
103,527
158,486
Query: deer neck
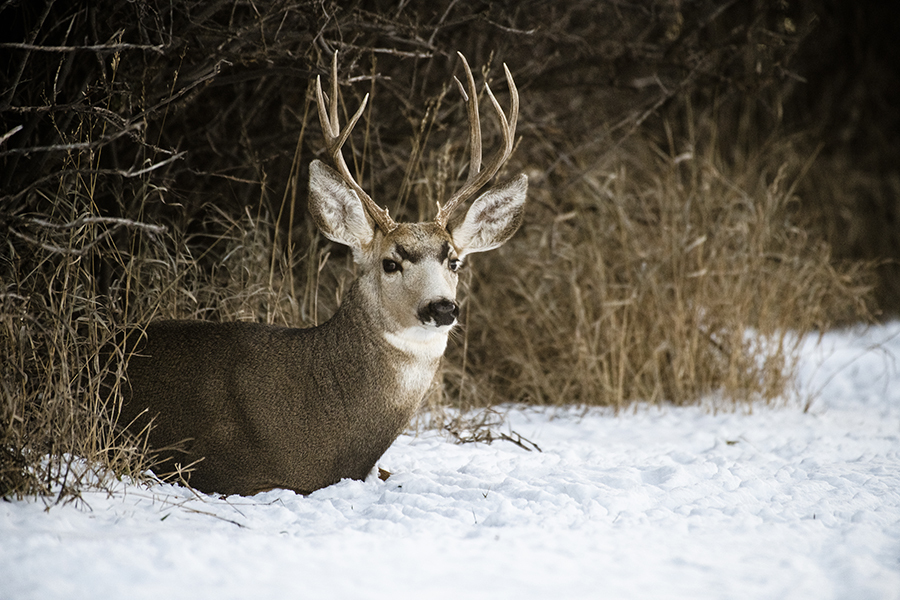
408,357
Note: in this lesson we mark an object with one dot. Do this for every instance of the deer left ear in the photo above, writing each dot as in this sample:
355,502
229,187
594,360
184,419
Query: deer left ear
336,209
493,218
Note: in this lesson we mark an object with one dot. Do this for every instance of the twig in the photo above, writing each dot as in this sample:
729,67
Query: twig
520,441
93,48
114,221
127,174
10,133
210,74
153,167
76,145
118,222
388,51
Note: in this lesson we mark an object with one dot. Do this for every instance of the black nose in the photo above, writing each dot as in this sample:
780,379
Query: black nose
442,312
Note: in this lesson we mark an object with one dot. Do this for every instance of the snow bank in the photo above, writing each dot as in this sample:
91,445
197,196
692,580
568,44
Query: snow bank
671,503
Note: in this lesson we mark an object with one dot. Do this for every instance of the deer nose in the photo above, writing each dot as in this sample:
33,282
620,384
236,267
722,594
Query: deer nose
442,312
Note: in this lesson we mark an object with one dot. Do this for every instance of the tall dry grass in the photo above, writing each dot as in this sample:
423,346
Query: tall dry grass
665,280
58,423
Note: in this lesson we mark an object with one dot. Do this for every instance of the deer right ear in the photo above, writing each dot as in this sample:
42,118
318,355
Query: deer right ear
493,218
336,209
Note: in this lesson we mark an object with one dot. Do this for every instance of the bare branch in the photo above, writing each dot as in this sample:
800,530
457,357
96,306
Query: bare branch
10,133
80,222
75,145
87,219
104,48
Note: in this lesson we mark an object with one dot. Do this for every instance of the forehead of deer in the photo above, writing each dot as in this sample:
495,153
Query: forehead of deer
415,241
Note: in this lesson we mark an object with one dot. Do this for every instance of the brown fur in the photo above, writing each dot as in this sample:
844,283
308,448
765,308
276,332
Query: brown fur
264,407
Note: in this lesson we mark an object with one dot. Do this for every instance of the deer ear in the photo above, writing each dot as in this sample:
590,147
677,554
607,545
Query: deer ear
493,218
337,210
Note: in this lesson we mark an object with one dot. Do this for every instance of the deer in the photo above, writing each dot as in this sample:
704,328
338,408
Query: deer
243,408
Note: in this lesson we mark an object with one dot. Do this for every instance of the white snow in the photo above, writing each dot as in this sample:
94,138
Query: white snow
656,503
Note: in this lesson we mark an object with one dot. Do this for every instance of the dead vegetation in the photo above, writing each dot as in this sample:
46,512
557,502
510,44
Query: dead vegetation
678,237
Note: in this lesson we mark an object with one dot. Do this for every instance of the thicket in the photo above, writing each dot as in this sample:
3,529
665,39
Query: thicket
686,196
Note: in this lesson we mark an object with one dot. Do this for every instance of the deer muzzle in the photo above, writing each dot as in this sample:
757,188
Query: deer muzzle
442,312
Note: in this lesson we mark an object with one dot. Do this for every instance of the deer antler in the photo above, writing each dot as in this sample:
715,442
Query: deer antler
334,140
478,178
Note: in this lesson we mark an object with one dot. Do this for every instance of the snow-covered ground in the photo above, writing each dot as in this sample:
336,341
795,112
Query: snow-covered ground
671,503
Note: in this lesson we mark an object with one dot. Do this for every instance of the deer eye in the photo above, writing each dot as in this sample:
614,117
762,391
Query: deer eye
455,264
390,266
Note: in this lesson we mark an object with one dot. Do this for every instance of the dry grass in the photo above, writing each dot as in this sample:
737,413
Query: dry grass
58,423
663,280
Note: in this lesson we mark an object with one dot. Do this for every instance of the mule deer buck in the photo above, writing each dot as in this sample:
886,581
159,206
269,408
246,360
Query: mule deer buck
255,407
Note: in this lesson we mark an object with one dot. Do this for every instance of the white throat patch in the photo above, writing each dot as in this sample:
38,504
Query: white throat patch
426,343
424,347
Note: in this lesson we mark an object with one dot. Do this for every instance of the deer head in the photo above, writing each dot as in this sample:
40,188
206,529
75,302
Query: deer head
409,270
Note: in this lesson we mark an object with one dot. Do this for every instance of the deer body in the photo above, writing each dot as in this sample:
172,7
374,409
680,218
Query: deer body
252,407
272,407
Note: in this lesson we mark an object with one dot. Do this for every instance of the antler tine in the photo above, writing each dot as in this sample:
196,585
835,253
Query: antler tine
477,177
334,140
471,100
